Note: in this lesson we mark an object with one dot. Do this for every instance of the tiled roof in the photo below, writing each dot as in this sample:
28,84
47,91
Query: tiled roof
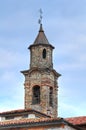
77,120
22,111
15,111
24,122
27,121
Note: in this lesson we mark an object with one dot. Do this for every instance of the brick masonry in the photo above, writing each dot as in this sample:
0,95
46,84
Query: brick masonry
45,81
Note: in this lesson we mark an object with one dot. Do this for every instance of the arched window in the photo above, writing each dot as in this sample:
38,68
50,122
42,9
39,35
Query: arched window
51,97
44,53
36,95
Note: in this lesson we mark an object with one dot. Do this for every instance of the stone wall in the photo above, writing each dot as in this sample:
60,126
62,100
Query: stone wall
45,80
36,57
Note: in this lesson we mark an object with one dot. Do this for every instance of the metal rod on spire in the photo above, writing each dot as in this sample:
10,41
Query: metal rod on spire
40,18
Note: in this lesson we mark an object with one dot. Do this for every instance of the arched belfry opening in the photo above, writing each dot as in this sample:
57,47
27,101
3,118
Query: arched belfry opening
36,95
44,53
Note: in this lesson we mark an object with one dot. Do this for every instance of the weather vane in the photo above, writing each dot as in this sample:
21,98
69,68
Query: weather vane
40,18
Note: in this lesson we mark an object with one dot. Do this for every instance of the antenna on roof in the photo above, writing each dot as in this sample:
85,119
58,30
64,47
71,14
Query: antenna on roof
40,18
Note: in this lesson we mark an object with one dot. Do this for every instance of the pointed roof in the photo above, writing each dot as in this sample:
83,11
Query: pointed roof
41,39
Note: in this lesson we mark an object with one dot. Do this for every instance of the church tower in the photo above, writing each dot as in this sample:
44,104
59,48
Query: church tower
41,85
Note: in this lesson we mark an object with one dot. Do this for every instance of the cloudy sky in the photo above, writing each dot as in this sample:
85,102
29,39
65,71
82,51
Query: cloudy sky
64,23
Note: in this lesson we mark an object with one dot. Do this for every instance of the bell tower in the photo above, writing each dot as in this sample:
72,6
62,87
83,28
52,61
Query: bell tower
41,86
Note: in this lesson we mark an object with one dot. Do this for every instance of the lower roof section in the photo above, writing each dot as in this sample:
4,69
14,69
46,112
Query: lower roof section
23,111
26,123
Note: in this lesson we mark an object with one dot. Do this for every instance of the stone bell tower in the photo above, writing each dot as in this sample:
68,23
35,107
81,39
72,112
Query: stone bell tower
41,85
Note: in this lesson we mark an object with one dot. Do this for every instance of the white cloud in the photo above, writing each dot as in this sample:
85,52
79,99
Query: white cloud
69,110
10,59
13,97
71,55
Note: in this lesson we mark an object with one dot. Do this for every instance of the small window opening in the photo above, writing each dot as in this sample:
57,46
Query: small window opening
36,95
51,96
44,53
9,117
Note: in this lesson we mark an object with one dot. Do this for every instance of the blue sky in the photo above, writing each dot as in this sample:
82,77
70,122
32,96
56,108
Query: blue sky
64,23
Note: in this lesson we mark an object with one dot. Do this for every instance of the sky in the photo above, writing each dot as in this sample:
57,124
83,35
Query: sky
64,23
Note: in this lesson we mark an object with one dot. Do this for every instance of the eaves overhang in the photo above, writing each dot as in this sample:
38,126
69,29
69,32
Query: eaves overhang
40,44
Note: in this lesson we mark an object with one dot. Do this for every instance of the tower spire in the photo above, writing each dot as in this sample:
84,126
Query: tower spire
41,28
41,79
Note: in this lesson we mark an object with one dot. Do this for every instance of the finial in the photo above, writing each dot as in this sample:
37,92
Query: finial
40,18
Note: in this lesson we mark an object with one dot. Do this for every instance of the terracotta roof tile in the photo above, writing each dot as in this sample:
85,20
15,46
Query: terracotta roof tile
15,111
77,120
34,122
25,121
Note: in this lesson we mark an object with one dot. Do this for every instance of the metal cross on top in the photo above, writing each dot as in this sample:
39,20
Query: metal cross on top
40,18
